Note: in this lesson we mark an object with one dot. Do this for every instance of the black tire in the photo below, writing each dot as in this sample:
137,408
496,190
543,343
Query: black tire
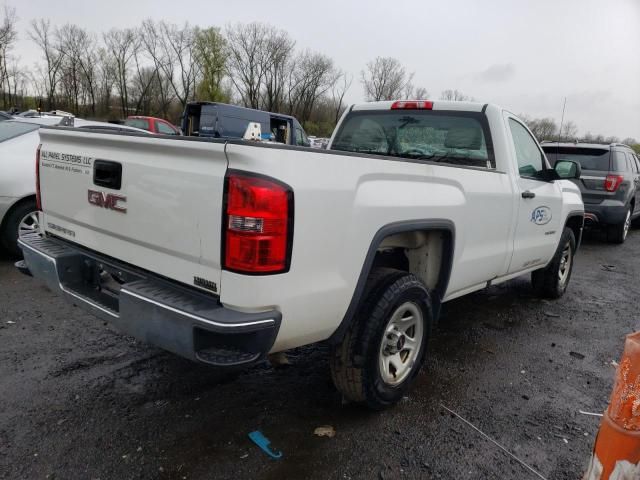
548,282
618,233
355,362
10,226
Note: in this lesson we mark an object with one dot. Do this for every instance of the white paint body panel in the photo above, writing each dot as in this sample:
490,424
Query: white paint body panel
174,200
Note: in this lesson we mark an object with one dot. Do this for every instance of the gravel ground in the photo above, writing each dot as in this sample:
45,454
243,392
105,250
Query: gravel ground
79,400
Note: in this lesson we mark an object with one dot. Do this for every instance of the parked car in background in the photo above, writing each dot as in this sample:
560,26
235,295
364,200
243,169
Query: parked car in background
318,142
433,200
5,116
152,124
610,183
19,141
220,120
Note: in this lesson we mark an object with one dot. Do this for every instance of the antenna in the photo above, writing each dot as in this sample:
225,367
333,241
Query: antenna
562,120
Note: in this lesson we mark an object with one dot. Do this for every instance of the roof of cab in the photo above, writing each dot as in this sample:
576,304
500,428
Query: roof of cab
437,105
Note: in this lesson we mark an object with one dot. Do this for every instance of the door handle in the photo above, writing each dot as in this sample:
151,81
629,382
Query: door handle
528,194
107,174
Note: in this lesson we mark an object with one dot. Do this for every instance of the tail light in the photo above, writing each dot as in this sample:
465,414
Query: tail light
612,182
258,224
412,105
38,197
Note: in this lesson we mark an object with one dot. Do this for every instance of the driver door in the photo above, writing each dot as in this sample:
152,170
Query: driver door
539,216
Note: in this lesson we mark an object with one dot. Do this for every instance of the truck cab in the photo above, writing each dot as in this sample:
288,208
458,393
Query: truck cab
220,120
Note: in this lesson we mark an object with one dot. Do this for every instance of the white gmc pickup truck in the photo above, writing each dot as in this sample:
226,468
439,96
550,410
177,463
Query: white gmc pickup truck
226,251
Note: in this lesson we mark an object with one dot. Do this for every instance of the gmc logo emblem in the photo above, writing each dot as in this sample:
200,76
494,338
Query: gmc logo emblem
110,201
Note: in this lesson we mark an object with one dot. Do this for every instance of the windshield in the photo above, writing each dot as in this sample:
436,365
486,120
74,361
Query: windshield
588,158
451,137
11,129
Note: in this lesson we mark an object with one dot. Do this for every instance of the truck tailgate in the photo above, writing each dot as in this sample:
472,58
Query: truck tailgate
165,216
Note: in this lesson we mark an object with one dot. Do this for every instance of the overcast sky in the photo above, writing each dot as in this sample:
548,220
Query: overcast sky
525,55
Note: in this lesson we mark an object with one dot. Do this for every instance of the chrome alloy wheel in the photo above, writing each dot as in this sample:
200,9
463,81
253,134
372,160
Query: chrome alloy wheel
401,343
28,224
565,264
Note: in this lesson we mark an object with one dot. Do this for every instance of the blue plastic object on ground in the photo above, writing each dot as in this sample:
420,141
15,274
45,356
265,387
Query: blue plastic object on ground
263,442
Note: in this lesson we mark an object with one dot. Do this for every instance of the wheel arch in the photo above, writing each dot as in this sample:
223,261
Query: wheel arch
575,221
13,206
444,226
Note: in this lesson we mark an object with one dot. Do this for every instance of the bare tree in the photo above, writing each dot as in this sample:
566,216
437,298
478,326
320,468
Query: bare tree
311,77
569,131
454,95
542,128
177,46
76,47
385,79
121,46
338,91
277,65
150,38
421,93
8,36
105,80
44,36
247,62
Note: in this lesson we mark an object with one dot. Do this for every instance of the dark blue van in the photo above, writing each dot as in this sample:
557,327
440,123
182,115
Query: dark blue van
220,120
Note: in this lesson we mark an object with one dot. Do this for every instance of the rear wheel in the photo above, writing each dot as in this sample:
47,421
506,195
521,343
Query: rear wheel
552,281
618,233
384,349
19,221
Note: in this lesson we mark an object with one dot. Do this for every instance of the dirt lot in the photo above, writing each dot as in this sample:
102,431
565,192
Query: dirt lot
78,400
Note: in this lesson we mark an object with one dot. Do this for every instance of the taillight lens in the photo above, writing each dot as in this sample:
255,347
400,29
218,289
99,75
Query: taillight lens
412,105
38,197
612,182
258,224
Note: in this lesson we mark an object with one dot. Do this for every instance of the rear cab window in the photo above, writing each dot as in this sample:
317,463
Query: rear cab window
9,130
449,137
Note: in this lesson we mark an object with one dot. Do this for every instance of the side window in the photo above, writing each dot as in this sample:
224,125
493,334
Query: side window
165,129
637,163
138,123
530,158
618,161
630,166
232,126
299,137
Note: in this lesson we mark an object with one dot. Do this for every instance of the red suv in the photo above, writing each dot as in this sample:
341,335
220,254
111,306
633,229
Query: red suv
152,124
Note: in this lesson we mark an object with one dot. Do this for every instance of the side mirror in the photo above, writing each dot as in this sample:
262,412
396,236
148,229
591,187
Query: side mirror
566,169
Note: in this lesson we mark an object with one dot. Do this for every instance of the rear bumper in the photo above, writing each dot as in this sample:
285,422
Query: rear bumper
609,212
152,309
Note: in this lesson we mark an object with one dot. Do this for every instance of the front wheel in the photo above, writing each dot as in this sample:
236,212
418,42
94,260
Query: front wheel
552,281
384,349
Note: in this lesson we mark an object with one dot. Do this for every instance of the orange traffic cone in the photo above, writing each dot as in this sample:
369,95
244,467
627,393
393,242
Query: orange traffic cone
616,455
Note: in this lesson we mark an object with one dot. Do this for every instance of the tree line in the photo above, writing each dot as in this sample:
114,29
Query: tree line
158,66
